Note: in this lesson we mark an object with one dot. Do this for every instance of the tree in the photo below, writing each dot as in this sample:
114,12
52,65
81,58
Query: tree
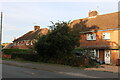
59,42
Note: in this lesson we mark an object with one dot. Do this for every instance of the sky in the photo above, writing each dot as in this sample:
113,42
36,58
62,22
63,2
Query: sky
19,17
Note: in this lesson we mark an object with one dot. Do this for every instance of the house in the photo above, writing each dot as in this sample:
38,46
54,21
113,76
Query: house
101,35
7,45
27,40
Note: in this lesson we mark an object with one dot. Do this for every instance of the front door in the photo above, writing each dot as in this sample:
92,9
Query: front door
107,56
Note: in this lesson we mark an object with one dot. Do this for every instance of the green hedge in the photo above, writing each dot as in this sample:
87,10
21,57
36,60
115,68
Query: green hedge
21,51
28,57
24,54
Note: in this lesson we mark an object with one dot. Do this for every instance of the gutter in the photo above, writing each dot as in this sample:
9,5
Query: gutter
101,30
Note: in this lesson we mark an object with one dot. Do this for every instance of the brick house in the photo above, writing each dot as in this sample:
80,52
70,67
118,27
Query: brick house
26,41
101,35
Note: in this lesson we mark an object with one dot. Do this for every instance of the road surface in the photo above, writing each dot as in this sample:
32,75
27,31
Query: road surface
10,71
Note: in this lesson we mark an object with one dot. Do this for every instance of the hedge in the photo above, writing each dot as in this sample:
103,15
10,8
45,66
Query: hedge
25,54
21,51
28,57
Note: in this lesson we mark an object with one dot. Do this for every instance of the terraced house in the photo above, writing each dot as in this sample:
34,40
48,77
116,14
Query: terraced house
101,35
26,41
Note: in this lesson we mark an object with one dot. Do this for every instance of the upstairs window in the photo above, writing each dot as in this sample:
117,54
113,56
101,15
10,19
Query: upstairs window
31,42
18,43
14,43
91,36
27,42
106,36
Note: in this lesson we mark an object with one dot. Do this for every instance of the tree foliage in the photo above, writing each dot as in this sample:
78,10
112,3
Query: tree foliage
59,42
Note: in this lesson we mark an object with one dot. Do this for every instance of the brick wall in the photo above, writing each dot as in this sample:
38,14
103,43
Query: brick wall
6,56
22,45
99,42
101,54
114,57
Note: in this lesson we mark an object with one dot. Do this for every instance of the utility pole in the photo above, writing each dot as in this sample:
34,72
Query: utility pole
1,27
1,18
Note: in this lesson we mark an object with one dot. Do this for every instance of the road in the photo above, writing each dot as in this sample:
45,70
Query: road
10,71
20,72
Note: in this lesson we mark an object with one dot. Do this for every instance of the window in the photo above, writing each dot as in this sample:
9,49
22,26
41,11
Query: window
18,43
91,36
22,42
31,43
27,42
14,43
119,54
105,36
95,53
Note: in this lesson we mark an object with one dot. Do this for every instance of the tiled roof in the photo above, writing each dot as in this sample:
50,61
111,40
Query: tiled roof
99,22
9,45
32,34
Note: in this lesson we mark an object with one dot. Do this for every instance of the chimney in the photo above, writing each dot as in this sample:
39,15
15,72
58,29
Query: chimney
92,13
36,28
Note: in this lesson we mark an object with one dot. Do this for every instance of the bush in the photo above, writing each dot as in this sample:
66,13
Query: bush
71,61
78,51
58,43
17,51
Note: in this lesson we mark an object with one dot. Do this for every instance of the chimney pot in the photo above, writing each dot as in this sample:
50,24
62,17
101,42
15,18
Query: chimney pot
36,28
92,13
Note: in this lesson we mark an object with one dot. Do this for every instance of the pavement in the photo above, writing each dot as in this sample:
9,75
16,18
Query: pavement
109,68
57,70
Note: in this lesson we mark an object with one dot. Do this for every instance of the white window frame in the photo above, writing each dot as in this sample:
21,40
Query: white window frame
106,36
27,42
119,54
95,52
18,43
31,42
89,36
14,43
23,42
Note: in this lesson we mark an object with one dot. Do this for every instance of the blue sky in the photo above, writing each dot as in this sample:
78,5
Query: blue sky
20,17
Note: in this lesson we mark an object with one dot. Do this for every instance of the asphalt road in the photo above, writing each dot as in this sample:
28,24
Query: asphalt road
20,72
10,71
